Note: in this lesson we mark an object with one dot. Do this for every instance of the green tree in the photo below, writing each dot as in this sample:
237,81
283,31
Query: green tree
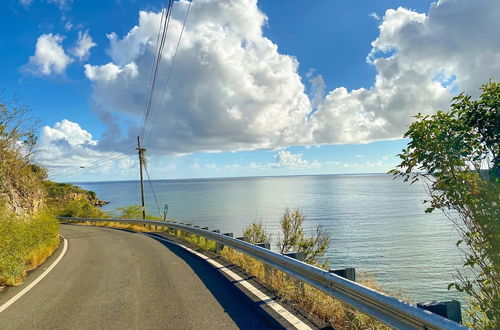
133,212
294,239
457,155
255,233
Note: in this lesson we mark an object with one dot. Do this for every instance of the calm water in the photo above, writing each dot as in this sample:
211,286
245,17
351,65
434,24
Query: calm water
377,224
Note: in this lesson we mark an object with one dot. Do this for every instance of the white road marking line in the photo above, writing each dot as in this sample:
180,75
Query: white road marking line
295,321
32,284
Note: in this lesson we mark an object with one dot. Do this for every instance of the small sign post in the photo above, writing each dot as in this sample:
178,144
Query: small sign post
165,211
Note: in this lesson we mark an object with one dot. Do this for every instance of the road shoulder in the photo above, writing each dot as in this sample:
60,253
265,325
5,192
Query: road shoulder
9,292
252,300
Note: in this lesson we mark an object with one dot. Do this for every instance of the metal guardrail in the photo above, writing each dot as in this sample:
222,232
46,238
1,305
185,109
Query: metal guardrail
389,310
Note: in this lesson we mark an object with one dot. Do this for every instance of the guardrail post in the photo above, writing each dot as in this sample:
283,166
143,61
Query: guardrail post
229,234
265,245
206,228
295,255
299,256
348,273
218,246
449,309
267,268
244,239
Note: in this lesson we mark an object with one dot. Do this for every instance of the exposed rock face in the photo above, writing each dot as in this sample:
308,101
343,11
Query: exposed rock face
100,203
22,194
85,195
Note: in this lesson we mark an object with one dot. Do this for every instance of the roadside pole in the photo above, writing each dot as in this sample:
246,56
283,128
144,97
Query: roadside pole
141,159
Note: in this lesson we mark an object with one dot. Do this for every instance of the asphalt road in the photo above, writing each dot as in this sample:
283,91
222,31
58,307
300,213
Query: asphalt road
114,279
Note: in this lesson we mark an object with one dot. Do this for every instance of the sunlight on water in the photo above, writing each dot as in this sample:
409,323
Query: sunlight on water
377,224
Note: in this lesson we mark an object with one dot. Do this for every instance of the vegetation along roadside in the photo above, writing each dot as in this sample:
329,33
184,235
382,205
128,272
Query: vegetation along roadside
29,203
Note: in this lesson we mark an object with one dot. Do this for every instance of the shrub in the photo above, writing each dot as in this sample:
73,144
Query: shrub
255,233
457,155
133,212
293,238
79,209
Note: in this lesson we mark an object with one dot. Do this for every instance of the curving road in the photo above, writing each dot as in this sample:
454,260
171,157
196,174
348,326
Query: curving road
114,279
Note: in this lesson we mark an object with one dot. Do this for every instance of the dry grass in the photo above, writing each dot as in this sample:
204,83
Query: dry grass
121,225
24,245
310,299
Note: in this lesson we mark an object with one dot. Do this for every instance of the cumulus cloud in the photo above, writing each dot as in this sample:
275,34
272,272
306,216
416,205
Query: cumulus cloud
83,45
50,57
231,89
286,160
420,60
67,145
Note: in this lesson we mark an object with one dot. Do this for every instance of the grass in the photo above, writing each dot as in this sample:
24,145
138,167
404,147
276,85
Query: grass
314,301
24,245
120,225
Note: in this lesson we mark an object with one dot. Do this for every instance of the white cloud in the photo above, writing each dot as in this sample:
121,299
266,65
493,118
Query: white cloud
195,166
423,54
83,45
288,159
26,3
375,16
232,90
68,146
49,57
127,163
62,4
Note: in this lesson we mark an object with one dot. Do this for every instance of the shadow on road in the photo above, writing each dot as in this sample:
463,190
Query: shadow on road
246,315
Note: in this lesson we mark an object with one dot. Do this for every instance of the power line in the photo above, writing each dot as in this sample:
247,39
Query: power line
169,75
112,155
164,24
152,190
88,165
96,164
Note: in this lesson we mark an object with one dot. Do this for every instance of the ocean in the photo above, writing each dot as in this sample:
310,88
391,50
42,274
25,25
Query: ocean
377,225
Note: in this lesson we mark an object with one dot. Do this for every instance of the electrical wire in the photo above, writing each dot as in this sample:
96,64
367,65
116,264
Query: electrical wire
95,165
158,58
152,190
112,155
89,165
169,75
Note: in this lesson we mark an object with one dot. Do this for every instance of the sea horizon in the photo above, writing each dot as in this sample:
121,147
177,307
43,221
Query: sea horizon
234,177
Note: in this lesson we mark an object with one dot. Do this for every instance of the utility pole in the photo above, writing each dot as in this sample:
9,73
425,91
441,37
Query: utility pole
141,159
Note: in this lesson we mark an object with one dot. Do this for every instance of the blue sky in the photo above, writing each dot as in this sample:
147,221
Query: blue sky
257,88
